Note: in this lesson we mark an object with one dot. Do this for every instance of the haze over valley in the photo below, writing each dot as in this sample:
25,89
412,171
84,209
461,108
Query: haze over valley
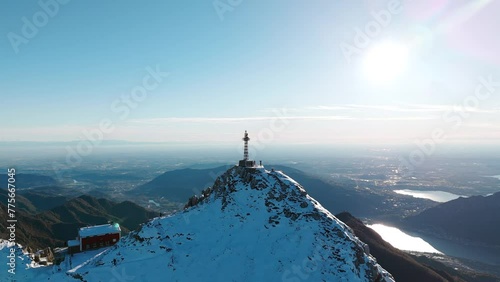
263,140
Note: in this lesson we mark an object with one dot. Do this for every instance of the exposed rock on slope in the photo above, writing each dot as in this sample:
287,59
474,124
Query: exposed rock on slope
252,225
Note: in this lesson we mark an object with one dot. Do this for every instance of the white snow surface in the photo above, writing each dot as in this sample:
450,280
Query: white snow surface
99,230
256,225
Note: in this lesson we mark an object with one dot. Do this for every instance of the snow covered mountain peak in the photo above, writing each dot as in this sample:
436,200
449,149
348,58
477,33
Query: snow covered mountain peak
251,225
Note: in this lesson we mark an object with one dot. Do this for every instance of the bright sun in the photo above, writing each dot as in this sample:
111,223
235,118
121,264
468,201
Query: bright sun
385,61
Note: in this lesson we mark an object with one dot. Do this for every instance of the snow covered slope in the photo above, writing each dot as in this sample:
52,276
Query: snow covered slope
252,225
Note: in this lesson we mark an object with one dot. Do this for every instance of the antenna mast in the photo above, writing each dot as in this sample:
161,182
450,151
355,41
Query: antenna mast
245,162
245,151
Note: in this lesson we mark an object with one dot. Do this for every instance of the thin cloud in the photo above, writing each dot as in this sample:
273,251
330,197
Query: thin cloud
169,120
399,118
421,108
390,108
232,119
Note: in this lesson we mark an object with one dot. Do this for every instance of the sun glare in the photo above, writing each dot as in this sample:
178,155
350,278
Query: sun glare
385,61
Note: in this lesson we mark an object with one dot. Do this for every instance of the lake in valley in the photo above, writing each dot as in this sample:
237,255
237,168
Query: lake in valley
436,196
409,241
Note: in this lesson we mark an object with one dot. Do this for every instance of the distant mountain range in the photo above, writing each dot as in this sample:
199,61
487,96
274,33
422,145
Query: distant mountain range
473,220
401,265
406,267
46,219
50,221
251,225
35,200
179,185
337,198
25,180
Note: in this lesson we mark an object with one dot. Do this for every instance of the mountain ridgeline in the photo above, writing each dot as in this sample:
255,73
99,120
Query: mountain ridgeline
401,265
180,185
26,180
251,225
472,220
54,226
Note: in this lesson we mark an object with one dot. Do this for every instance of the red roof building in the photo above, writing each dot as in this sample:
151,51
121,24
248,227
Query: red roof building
94,237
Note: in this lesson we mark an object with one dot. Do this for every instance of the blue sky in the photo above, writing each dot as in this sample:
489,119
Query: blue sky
275,68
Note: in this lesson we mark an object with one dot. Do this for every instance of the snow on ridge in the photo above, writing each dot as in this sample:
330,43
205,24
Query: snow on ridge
255,225
25,267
